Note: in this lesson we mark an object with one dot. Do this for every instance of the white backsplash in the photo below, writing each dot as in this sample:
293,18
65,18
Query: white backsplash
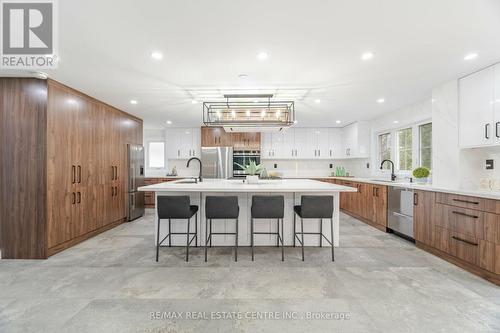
473,169
315,168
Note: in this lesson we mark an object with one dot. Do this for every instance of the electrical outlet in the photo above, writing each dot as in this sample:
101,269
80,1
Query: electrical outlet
275,165
489,165
368,165
331,166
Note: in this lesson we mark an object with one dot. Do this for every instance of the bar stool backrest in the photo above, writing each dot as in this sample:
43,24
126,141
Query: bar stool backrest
174,207
221,207
317,206
268,206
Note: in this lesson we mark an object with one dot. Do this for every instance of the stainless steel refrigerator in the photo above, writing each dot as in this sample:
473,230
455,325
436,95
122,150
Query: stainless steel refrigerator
217,162
135,154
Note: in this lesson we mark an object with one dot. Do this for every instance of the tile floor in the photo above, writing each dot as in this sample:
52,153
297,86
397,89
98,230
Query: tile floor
111,283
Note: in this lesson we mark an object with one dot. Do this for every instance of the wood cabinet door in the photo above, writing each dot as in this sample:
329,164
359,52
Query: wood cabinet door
379,204
214,137
424,220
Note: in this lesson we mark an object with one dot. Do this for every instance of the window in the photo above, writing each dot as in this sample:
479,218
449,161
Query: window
404,149
425,132
384,146
156,155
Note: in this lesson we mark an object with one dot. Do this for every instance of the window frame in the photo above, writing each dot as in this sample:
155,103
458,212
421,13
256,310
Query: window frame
379,147
148,166
410,149
420,142
415,147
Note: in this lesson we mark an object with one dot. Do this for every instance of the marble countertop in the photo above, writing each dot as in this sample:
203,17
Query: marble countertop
424,187
225,185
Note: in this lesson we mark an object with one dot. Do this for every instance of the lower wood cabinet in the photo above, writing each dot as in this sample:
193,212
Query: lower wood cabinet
149,197
368,204
460,229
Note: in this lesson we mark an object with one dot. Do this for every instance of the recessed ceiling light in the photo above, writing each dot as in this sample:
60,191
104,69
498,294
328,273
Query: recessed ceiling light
133,101
169,122
156,55
262,56
471,56
193,101
381,100
338,121
367,56
317,101
396,121
242,76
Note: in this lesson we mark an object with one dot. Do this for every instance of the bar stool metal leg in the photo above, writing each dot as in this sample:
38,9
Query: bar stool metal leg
206,238
321,232
251,235
282,245
170,233
331,226
158,240
187,241
236,243
195,230
294,228
210,232
302,234
278,234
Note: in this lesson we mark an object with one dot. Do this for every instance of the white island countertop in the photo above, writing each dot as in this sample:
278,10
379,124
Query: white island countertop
232,185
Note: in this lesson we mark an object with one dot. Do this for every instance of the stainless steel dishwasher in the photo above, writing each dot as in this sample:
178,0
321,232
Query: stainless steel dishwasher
400,210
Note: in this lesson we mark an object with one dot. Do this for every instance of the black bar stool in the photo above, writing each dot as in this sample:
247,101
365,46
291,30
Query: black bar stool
176,207
268,207
221,207
313,207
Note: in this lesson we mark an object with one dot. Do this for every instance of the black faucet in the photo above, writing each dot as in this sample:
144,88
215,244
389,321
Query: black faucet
393,176
195,158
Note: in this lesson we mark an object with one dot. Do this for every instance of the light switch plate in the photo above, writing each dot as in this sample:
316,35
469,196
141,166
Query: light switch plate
489,164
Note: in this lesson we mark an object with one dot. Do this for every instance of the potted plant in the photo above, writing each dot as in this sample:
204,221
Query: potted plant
252,170
421,174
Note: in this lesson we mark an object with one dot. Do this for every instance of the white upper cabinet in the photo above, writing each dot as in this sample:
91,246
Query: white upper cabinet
479,110
356,140
317,143
183,143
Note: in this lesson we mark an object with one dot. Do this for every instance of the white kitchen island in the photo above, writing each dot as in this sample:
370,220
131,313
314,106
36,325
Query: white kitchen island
291,189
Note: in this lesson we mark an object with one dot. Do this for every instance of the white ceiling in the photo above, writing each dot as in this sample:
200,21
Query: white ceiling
314,51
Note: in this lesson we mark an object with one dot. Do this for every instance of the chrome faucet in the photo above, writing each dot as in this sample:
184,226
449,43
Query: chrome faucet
393,175
195,158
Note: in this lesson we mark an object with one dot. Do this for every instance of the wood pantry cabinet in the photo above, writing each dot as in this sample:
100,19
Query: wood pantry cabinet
461,229
83,166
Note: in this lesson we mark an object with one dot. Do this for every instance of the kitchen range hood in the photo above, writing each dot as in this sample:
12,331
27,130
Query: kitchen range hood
249,113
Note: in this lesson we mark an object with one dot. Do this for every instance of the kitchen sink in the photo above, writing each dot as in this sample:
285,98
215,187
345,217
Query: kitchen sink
188,181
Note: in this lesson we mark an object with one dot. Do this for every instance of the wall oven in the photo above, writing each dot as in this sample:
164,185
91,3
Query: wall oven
243,157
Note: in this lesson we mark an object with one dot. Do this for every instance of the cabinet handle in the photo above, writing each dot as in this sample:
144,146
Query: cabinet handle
319,153
466,201
373,192
178,152
73,195
330,153
377,191
116,172
79,174
486,131
496,129
466,215
194,152
112,191
415,199
112,173
464,240
73,174
79,196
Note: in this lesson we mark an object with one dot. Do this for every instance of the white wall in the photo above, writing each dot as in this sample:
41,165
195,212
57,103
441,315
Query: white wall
445,151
